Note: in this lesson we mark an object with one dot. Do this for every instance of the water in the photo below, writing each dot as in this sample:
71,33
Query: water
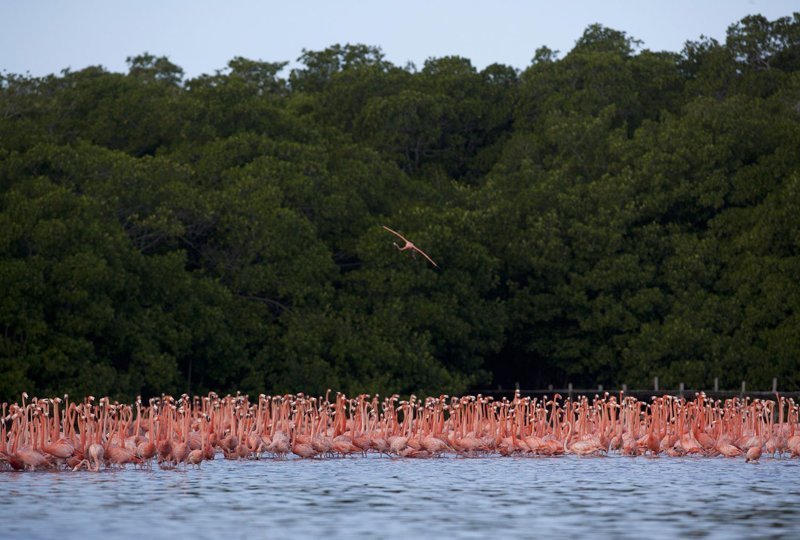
380,497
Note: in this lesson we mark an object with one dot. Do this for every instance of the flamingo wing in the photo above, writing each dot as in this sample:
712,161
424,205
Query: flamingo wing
395,233
426,256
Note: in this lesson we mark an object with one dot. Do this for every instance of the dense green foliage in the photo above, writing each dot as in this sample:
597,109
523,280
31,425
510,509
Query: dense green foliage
603,217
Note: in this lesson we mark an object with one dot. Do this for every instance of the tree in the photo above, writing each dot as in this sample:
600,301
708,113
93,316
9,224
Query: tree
149,68
604,216
321,66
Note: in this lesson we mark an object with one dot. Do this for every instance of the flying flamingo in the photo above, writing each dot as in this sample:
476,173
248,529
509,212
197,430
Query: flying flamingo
409,245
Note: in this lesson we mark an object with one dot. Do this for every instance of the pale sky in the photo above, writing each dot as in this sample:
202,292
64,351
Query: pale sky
46,36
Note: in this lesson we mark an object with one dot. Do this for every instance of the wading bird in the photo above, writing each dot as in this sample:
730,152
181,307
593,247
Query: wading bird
409,245
315,427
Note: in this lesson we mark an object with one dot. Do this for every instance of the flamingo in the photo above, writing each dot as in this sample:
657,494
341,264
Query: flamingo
753,453
195,457
301,449
147,448
96,452
33,436
409,245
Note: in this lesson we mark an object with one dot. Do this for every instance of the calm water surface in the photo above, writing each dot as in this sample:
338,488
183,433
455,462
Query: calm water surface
612,496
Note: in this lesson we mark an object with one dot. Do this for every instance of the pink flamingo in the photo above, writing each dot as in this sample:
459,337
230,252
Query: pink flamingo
195,457
87,435
409,245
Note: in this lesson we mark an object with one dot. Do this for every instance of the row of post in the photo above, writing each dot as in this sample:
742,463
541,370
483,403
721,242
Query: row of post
716,385
681,387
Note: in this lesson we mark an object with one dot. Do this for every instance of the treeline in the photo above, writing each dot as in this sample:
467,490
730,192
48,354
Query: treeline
601,217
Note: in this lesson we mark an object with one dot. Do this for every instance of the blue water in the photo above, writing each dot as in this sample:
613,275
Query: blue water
617,497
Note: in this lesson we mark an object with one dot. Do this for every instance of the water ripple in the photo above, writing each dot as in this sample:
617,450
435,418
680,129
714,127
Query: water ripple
390,498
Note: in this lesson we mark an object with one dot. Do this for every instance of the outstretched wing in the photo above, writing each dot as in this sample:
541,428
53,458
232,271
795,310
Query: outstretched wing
426,256
395,233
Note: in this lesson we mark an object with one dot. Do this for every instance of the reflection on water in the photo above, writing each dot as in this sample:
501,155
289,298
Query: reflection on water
388,498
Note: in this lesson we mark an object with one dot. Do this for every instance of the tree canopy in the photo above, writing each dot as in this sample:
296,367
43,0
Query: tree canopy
602,217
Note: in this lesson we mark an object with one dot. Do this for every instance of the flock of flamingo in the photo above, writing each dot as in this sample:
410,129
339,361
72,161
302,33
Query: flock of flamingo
59,434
